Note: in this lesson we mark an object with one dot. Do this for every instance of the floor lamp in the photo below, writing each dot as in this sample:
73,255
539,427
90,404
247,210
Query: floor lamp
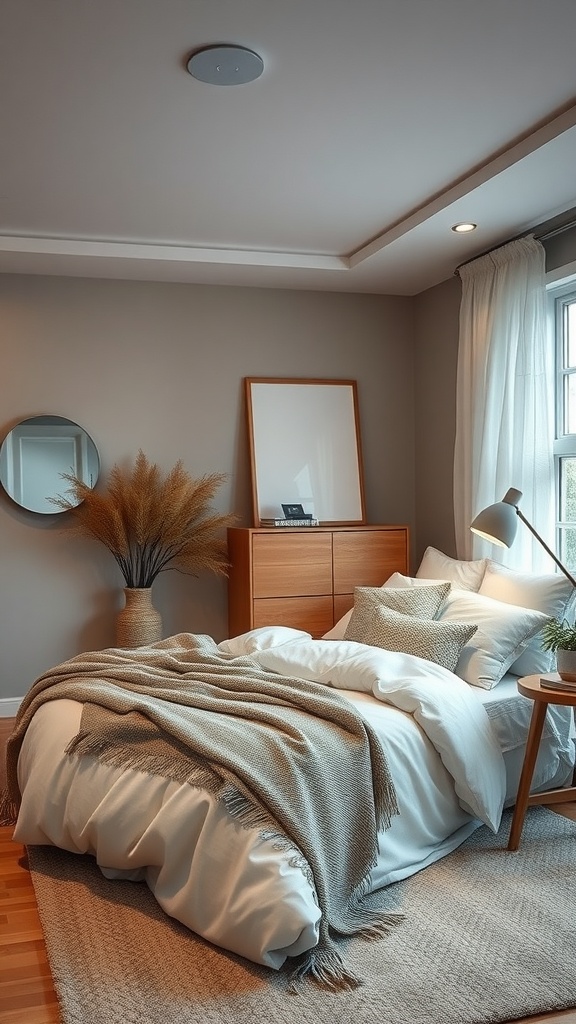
498,523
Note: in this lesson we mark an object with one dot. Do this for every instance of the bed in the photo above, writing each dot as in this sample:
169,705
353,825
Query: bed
453,739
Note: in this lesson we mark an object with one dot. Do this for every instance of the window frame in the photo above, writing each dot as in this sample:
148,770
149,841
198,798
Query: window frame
564,446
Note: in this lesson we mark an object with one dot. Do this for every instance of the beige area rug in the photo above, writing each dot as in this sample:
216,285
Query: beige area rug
488,936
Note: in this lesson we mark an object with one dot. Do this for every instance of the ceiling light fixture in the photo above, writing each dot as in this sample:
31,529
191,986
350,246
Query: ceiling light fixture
225,65
465,226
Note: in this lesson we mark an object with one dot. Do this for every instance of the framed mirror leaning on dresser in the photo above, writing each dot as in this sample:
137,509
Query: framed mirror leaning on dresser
34,455
305,449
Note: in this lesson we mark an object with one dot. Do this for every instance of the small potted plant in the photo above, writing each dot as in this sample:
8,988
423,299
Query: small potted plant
559,635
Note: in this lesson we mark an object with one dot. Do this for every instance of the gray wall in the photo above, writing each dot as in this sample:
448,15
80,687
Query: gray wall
436,349
160,367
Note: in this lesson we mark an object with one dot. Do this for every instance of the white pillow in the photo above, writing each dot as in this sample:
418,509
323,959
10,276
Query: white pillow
396,581
503,632
552,594
435,565
339,628
261,639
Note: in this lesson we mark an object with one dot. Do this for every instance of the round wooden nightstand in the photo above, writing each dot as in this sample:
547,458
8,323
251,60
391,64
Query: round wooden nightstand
542,697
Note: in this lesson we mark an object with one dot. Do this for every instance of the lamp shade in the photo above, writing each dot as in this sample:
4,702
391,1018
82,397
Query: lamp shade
498,523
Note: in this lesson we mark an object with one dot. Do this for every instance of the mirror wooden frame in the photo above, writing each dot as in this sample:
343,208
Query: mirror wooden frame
305,449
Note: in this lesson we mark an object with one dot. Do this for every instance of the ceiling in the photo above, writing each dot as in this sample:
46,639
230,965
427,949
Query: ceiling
375,126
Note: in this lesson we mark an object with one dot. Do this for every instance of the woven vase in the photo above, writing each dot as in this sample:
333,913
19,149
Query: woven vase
138,623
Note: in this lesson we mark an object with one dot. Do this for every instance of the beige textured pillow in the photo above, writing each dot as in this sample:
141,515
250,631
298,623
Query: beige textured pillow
421,602
440,642
397,582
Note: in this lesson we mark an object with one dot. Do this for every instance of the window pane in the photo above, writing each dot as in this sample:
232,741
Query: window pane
569,418
565,441
568,490
567,552
571,333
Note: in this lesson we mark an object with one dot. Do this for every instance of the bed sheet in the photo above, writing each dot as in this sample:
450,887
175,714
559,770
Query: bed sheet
509,713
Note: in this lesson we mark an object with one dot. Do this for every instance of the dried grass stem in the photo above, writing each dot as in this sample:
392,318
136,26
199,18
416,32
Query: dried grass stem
151,523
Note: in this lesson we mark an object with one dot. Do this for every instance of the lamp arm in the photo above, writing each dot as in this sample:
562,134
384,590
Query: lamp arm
546,548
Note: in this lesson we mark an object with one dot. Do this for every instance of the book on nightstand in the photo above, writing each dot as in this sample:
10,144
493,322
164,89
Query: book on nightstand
552,681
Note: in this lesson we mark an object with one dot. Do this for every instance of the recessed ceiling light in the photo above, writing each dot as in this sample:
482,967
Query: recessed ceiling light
225,65
461,229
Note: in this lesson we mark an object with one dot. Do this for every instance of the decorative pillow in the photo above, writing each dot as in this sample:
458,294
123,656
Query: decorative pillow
437,566
552,594
401,588
440,642
420,602
503,632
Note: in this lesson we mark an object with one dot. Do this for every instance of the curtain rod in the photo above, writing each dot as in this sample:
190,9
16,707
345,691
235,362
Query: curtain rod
556,231
541,238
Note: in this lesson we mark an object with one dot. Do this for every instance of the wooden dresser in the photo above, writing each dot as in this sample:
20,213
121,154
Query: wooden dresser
305,578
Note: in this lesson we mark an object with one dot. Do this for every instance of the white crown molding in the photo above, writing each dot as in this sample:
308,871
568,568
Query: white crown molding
464,186
131,250
169,253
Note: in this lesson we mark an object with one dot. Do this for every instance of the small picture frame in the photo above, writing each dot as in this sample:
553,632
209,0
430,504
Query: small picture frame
293,511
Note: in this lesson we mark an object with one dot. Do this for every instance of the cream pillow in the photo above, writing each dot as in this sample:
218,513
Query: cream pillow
440,642
399,588
260,639
437,566
502,634
552,594
398,580
339,628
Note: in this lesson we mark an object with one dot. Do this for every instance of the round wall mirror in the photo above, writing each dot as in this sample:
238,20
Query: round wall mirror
36,453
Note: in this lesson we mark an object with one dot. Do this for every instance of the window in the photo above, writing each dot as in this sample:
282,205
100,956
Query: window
564,305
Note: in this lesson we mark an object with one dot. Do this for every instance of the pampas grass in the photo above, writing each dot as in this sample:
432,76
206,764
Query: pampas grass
150,522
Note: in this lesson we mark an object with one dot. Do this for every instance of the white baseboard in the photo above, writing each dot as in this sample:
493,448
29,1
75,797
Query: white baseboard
9,706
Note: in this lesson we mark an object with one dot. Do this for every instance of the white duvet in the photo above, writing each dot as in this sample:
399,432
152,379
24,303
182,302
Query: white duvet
440,702
223,881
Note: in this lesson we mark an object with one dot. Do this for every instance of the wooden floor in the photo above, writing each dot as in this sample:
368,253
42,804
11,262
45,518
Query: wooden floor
26,992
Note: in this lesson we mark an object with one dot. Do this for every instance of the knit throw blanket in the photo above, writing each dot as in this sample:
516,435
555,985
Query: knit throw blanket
286,756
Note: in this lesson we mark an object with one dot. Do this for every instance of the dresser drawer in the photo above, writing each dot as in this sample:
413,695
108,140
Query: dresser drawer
342,604
313,614
291,565
366,558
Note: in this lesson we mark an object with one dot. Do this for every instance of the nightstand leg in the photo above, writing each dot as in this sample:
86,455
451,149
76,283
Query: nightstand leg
532,747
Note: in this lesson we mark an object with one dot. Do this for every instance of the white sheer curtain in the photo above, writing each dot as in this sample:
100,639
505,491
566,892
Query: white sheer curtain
505,401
